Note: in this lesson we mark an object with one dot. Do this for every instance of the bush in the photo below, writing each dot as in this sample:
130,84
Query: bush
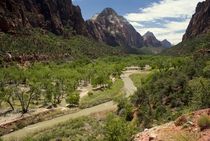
73,98
117,129
90,93
204,122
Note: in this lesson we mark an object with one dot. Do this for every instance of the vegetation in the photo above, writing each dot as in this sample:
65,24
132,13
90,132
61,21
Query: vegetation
171,91
185,136
102,96
83,129
138,79
39,45
190,46
42,84
117,129
112,128
177,85
204,122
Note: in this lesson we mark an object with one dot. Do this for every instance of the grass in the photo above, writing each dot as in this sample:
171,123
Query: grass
81,129
99,97
185,136
138,78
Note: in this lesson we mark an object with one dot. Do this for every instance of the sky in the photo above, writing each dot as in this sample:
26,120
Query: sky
167,19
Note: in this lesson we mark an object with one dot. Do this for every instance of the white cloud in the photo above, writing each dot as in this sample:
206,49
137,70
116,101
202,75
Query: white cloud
172,16
136,24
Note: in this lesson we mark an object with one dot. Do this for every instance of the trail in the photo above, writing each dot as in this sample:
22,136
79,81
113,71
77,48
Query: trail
129,87
109,106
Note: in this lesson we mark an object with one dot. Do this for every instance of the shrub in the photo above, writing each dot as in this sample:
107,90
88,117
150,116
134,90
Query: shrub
73,98
204,122
117,129
90,93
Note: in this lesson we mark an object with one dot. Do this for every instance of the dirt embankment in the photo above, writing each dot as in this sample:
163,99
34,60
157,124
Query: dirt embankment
185,128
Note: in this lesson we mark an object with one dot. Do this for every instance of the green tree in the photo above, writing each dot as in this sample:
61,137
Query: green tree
200,89
117,129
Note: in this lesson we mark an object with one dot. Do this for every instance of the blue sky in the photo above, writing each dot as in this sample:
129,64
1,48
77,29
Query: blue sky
167,19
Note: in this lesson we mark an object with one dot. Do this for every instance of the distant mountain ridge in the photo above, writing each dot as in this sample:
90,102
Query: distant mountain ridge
114,30
61,17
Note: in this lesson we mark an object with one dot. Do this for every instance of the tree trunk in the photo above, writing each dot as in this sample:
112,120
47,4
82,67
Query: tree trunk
10,104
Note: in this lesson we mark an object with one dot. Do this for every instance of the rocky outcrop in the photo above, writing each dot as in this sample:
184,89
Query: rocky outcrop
200,22
185,127
57,16
114,30
166,44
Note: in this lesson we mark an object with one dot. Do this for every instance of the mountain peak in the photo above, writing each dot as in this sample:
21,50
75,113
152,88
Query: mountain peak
149,34
166,43
109,11
113,29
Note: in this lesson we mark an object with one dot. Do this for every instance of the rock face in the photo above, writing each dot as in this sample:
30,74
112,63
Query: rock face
166,44
200,22
56,16
114,30
150,40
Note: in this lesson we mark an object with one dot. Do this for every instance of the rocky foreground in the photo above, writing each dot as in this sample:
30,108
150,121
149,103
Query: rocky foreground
185,128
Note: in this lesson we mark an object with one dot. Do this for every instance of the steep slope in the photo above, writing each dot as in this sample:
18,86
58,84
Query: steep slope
114,30
185,128
200,22
56,16
198,44
38,45
197,36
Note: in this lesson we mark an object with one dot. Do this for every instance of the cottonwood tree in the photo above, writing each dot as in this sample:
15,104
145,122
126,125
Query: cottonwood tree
25,95
6,95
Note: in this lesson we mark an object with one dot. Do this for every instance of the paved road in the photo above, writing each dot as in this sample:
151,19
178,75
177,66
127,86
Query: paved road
109,106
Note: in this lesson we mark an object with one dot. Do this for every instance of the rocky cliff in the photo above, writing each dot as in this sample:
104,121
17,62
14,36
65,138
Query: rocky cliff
56,16
114,30
200,22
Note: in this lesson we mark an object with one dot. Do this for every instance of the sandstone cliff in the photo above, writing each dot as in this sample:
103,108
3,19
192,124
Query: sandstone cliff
56,16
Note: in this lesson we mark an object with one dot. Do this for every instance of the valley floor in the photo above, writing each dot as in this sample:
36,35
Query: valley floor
129,89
